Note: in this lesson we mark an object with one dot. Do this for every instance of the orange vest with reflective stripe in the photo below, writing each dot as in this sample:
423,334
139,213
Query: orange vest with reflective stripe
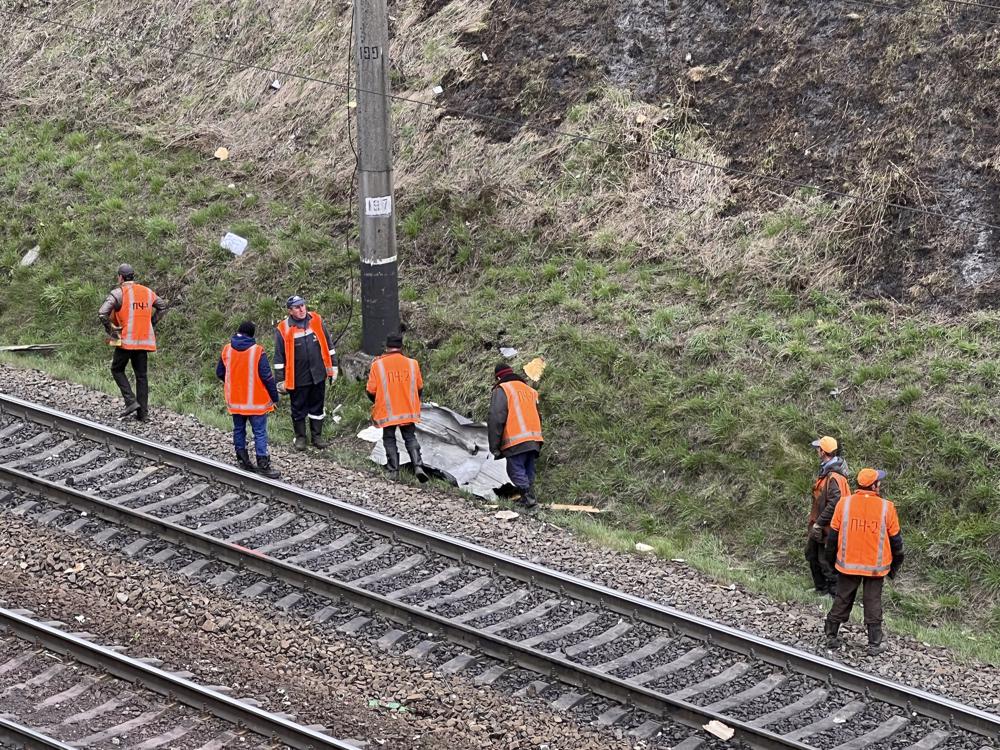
396,381
864,522
289,333
523,423
136,317
245,391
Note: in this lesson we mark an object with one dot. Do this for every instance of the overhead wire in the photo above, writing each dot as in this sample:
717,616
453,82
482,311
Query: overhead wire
509,122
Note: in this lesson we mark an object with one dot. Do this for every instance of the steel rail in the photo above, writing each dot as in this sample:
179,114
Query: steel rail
492,645
912,699
20,736
167,684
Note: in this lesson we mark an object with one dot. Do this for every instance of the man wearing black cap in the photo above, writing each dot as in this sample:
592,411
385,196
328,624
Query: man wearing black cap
395,387
251,394
515,429
304,360
129,315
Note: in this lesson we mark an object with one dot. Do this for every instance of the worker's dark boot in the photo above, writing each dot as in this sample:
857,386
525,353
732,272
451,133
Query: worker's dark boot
300,434
316,428
131,407
265,469
530,500
413,448
391,459
830,630
243,458
875,644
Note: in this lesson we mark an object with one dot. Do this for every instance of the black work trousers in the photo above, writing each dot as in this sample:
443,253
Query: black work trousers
824,575
140,363
409,432
847,590
308,401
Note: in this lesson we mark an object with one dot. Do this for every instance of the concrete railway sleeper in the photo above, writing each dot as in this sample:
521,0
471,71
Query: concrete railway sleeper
636,652
58,689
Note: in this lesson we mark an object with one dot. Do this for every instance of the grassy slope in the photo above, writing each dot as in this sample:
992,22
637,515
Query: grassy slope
682,401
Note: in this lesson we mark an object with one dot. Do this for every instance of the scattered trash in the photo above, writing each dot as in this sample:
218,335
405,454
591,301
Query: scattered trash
221,153
720,730
80,618
485,58
438,90
508,352
678,560
276,84
31,256
643,548
687,57
391,705
337,419
234,243
535,368
574,508
506,515
76,568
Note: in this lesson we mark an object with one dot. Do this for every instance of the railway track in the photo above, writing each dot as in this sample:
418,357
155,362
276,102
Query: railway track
58,689
611,657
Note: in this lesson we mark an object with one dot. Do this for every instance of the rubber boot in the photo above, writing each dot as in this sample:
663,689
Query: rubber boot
300,434
391,459
418,465
265,469
830,630
131,407
316,428
243,459
530,501
875,644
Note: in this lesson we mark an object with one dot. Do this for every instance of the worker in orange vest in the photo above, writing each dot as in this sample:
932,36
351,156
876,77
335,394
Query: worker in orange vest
515,429
830,485
395,387
129,315
304,362
866,545
251,394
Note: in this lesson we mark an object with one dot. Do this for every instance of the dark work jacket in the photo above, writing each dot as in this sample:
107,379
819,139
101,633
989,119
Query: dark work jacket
497,420
241,343
309,367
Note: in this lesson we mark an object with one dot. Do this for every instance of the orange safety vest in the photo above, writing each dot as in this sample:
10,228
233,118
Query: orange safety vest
136,317
289,333
523,423
865,522
396,381
819,492
245,391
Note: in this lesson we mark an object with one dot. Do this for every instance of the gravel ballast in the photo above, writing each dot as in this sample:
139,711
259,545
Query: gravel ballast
673,584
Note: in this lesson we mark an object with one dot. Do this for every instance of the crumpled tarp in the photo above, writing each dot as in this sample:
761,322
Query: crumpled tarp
453,446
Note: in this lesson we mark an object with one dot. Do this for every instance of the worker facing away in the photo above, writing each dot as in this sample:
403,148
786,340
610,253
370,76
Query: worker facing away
829,486
515,429
395,387
304,361
129,315
866,545
251,394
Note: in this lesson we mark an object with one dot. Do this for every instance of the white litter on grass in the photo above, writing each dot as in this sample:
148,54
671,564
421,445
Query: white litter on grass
508,352
276,84
438,90
506,515
31,256
234,243
643,548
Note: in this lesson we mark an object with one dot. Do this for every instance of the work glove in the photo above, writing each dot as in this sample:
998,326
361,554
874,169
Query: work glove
333,377
816,532
281,387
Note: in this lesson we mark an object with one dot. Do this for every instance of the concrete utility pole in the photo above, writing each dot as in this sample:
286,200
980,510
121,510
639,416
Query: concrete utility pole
379,270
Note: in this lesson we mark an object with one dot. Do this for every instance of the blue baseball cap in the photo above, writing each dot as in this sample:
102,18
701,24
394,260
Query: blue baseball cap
294,300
